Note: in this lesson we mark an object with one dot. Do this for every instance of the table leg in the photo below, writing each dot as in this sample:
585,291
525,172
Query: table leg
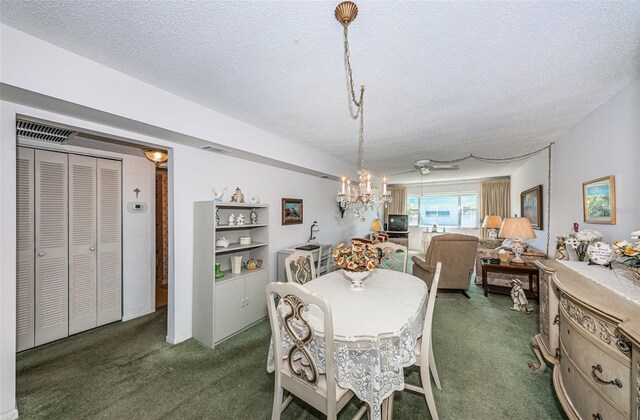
387,408
484,282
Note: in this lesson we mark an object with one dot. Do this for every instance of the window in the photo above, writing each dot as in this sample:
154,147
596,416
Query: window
460,210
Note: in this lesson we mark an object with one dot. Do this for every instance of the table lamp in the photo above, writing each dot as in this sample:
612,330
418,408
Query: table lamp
312,236
517,228
376,226
492,222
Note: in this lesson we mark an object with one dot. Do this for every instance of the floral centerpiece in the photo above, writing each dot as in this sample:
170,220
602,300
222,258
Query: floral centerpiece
630,252
356,257
579,241
357,260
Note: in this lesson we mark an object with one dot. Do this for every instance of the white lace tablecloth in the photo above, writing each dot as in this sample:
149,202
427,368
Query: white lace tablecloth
375,331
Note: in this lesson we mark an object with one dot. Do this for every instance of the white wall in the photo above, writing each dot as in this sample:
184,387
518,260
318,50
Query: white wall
606,142
7,263
138,238
534,172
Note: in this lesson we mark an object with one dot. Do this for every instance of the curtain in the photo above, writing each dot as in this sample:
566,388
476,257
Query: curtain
398,203
495,199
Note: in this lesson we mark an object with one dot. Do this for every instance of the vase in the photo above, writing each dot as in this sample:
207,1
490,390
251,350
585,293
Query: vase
219,272
356,278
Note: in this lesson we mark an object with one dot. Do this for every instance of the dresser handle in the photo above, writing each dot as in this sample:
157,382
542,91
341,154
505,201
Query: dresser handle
597,416
615,382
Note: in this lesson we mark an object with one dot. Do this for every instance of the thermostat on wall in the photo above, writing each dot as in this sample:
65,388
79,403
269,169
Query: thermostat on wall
137,207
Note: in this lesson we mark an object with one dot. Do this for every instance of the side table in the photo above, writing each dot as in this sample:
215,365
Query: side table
526,269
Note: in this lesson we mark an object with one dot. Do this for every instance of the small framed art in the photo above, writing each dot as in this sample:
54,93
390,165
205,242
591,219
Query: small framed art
599,200
531,206
292,211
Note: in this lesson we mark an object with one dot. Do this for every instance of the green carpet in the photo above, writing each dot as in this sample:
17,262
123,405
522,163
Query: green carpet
126,370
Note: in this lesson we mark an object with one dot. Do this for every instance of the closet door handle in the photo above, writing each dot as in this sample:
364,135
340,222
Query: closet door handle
41,254
246,301
93,248
242,303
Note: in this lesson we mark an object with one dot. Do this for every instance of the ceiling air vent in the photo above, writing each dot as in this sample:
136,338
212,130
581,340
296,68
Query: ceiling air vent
34,131
215,149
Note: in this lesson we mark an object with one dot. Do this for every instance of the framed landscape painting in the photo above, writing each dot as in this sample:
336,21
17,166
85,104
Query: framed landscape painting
599,201
531,206
291,211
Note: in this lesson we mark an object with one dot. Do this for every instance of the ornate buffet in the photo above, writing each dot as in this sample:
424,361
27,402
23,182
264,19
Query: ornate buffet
590,333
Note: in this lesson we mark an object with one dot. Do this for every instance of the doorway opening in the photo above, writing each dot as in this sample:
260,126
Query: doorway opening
162,238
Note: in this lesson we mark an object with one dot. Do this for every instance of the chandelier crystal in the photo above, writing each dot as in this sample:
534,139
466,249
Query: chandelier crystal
365,197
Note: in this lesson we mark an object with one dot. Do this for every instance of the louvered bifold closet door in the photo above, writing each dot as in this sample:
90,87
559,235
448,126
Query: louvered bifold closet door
51,246
25,337
82,244
109,241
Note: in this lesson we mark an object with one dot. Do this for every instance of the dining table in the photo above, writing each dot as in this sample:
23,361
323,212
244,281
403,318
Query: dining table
375,332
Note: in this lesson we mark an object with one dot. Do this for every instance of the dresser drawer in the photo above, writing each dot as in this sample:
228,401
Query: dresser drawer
600,330
597,365
585,400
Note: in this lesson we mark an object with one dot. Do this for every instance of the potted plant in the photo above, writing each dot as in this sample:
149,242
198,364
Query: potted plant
579,241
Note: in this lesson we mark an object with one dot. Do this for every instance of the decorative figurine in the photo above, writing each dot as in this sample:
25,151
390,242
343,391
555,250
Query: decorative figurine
561,249
232,220
253,216
222,242
237,197
218,195
520,302
240,220
255,200
217,222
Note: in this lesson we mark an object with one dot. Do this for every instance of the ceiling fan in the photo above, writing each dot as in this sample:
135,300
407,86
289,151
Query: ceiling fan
425,166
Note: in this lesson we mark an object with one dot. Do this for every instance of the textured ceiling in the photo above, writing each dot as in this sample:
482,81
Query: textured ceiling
444,79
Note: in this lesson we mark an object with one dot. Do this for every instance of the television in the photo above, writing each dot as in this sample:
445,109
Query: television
398,223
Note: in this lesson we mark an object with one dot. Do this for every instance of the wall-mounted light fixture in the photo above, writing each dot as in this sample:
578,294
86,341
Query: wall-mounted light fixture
157,156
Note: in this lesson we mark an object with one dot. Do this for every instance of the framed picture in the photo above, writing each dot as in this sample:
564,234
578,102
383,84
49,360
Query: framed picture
291,211
599,201
531,206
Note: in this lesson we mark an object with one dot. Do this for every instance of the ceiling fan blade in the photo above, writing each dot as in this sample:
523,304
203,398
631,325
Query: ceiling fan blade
404,172
444,167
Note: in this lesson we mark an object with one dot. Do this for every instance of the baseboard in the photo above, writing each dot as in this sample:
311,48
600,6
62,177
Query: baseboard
178,339
9,415
138,314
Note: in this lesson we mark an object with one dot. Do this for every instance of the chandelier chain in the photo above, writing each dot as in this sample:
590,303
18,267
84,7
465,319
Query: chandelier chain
549,201
347,60
489,159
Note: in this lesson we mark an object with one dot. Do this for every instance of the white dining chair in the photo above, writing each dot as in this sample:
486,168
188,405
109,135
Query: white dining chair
296,366
300,267
389,258
424,352
324,260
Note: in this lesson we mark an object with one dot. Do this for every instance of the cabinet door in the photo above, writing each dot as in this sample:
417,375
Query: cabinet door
24,249
82,244
51,240
229,306
109,219
255,297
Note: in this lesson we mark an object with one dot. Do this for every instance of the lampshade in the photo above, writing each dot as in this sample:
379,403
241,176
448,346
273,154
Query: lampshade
516,228
376,226
492,222
156,156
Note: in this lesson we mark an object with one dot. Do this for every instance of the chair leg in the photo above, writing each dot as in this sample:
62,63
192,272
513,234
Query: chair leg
277,403
465,294
432,365
428,392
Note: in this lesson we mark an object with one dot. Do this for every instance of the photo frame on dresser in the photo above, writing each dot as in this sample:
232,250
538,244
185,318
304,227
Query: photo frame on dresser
292,211
599,200
531,206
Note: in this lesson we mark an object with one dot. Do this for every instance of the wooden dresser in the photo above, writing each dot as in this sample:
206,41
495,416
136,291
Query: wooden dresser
590,332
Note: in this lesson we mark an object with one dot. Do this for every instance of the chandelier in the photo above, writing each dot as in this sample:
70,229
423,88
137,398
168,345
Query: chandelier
365,197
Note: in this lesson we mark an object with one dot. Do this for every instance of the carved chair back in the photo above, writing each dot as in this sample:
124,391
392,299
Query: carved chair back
389,257
300,267
297,357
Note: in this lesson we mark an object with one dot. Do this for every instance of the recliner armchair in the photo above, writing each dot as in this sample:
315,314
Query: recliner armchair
457,253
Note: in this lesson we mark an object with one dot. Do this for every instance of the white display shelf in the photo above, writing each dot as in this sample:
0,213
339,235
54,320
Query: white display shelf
237,247
240,227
